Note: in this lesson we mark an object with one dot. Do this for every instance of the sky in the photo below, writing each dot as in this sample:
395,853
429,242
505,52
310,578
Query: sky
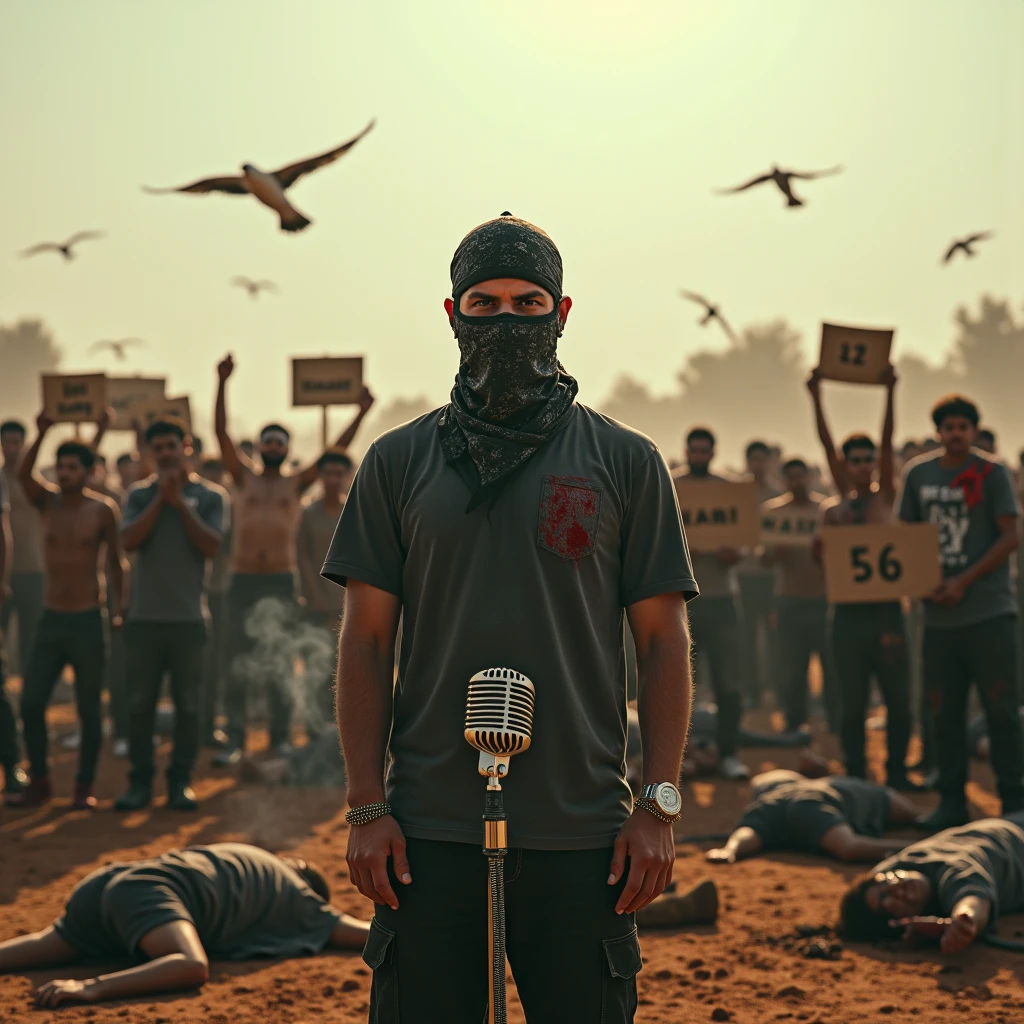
609,125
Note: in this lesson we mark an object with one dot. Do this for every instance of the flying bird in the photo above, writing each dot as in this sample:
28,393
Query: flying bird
66,249
711,312
782,180
965,245
117,347
254,287
269,188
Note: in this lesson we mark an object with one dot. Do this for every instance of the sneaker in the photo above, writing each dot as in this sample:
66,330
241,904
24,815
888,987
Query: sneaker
15,780
733,768
137,798
72,742
120,749
35,793
182,798
227,758
946,815
83,799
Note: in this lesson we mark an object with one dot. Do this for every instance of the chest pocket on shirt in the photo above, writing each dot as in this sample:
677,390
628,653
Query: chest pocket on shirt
570,511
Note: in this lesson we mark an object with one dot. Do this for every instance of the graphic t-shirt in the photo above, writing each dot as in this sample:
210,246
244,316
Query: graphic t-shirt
796,814
536,583
984,858
243,901
965,503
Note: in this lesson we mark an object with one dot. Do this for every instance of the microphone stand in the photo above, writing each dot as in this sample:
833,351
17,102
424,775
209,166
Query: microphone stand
495,848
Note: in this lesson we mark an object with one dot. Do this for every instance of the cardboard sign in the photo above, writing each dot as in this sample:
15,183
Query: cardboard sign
80,398
881,561
784,526
130,396
327,381
719,513
169,410
856,355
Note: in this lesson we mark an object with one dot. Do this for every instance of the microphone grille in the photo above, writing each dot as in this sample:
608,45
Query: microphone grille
499,711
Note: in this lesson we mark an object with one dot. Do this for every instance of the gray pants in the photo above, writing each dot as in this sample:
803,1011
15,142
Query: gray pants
714,630
26,602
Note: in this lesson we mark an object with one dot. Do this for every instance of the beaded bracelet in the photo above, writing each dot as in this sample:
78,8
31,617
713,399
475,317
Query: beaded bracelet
366,813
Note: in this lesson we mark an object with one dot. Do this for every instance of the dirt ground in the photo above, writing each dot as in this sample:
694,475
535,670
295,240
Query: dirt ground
748,969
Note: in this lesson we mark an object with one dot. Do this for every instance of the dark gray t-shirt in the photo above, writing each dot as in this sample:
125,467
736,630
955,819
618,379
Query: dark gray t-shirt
538,583
797,814
168,575
984,858
243,901
964,503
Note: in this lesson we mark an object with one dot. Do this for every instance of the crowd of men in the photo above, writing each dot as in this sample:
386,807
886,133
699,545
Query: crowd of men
154,577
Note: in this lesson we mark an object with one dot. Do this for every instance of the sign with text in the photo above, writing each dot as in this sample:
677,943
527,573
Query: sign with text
857,355
79,398
788,526
169,410
327,381
880,561
719,513
129,396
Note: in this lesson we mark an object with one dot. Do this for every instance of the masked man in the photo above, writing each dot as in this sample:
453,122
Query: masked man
513,527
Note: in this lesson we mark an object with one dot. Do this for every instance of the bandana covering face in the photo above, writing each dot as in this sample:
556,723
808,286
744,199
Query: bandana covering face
511,394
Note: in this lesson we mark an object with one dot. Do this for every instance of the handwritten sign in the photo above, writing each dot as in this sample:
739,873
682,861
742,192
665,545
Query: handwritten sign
856,355
80,398
783,526
167,410
130,396
327,381
881,561
719,513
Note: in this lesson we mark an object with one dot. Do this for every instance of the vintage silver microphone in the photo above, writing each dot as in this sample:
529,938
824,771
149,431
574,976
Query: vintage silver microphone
499,723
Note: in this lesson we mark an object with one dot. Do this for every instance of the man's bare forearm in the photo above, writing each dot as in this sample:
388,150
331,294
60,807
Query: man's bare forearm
165,974
365,695
665,697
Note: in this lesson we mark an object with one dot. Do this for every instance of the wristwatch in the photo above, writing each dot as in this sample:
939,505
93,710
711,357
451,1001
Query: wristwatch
661,799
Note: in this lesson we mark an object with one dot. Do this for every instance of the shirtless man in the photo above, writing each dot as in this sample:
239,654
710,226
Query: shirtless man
14,777
800,601
837,816
172,914
867,638
77,524
266,505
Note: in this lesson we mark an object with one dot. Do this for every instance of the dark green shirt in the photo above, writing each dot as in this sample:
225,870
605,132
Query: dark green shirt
243,901
538,583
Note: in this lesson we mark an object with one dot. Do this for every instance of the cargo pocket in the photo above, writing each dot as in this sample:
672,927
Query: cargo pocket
618,981
379,956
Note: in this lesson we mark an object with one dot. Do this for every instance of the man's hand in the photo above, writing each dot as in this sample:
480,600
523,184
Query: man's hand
226,367
814,383
57,992
949,593
724,855
369,847
366,400
889,377
651,849
960,933
170,488
43,422
106,417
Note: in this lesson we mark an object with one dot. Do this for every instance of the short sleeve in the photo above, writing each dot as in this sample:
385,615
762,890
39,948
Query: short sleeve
655,559
908,504
768,820
1001,492
807,821
211,511
367,544
135,503
966,879
133,906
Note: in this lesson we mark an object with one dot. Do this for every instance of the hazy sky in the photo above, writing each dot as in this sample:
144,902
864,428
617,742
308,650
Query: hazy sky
608,124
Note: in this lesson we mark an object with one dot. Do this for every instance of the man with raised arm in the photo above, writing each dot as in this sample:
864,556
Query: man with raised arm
868,639
78,524
266,505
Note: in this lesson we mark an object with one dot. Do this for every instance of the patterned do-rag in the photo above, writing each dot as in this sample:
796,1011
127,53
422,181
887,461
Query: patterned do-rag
511,394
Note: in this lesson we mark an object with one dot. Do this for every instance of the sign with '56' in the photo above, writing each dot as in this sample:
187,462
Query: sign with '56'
881,561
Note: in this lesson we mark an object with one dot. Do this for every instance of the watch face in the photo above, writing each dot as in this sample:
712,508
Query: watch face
668,799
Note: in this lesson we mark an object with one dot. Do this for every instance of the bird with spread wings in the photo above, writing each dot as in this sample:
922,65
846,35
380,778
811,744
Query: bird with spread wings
118,348
782,180
270,187
965,245
254,287
66,249
711,312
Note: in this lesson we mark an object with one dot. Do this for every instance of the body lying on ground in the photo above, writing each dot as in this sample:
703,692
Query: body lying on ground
951,886
177,911
837,816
